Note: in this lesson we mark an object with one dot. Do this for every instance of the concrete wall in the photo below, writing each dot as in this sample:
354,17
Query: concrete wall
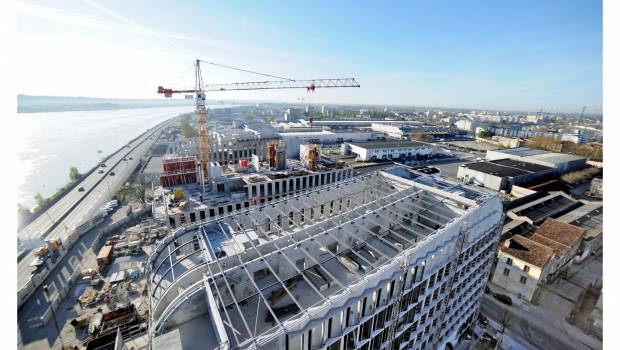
479,178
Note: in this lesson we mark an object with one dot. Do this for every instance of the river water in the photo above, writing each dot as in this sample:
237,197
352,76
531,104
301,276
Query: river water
50,143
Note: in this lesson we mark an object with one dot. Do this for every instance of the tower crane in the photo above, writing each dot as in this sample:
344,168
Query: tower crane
201,110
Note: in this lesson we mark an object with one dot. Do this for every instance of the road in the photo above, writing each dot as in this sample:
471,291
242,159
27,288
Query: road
541,331
98,189
47,220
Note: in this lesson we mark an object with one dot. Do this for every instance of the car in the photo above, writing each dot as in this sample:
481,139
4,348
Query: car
112,173
103,165
81,189
100,171
124,159
503,298
483,319
130,158
487,289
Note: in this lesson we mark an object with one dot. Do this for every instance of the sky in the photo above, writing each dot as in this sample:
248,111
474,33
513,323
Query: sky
495,55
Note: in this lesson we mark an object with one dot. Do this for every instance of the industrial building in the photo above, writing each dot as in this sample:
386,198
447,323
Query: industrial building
350,123
294,139
391,259
502,174
561,162
388,150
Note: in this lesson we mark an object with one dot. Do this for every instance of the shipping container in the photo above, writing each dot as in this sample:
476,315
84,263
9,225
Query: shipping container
105,256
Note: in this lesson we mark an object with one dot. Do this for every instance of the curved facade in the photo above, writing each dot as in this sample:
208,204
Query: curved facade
394,257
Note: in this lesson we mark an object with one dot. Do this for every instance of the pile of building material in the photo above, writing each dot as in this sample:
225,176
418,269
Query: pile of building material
89,297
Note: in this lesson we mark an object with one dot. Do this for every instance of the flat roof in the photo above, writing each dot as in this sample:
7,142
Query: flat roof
554,205
507,167
288,267
538,154
388,144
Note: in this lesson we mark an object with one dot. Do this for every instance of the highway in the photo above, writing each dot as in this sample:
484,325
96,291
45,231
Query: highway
45,221
78,206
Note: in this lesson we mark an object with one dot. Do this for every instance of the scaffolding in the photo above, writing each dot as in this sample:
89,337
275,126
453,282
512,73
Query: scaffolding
273,268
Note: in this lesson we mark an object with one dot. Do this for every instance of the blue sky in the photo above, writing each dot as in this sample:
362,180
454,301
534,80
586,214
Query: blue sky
470,54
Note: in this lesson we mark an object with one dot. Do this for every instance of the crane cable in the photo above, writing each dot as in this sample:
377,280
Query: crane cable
245,70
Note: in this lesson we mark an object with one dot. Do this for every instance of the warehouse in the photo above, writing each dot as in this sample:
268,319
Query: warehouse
388,150
501,174
561,162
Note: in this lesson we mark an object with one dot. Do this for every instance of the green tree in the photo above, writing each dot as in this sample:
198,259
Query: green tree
187,130
486,134
420,136
74,174
22,214
40,200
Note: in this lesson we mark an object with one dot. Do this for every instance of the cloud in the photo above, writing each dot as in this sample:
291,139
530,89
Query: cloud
171,38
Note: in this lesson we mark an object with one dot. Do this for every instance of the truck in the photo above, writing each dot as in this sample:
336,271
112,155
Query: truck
104,258
48,251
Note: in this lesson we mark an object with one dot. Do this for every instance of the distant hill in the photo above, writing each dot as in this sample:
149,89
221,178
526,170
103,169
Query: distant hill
33,104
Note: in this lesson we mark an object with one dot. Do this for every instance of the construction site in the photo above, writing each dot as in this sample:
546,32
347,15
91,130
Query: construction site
243,247
390,259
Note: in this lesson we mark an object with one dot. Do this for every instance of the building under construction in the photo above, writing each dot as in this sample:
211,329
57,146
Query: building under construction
392,259
234,186
229,143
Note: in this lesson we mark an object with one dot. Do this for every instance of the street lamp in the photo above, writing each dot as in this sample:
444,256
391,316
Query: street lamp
49,302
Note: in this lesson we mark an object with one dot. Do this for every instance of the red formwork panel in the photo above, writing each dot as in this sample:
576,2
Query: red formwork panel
179,163
178,178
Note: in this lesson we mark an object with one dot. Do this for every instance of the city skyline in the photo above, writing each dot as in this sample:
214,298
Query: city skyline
478,56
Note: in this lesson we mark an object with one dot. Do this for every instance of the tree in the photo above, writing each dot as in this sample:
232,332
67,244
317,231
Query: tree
134,192
23,214
40,200
74,174
505,321
187,130
486,134
421,136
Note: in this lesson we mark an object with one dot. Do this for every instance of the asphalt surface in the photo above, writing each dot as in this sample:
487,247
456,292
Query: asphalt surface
98,189
533,330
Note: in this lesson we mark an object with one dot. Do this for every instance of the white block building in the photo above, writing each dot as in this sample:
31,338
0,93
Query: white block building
382,150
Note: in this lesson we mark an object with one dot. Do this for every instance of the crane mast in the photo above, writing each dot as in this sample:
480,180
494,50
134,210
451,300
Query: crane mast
201,126
201,110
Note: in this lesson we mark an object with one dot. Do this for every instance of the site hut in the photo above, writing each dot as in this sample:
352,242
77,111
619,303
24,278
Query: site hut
388,150
561,162
394,258
502,174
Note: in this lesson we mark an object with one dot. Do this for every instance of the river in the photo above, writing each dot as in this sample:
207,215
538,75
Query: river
50,143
